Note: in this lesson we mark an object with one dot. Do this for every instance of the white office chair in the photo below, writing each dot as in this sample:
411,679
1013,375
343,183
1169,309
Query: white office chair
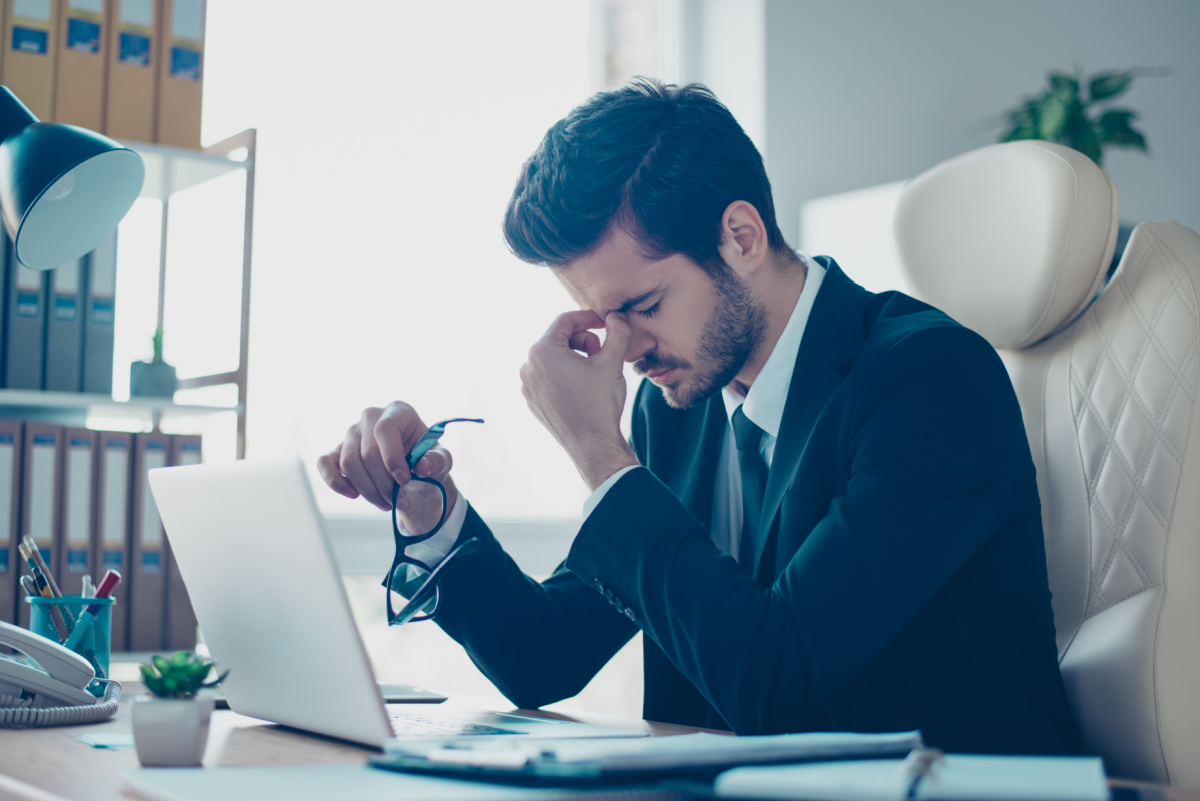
1013,241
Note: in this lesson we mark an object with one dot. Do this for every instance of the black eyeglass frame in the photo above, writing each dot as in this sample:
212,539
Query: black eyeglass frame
411,610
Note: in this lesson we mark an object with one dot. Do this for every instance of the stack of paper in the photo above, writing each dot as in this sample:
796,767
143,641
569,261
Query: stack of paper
954,778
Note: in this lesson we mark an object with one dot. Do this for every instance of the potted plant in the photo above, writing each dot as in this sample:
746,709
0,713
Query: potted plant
170,726
1069,115
154,378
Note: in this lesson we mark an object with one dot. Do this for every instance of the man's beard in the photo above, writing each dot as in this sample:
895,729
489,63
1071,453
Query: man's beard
729,338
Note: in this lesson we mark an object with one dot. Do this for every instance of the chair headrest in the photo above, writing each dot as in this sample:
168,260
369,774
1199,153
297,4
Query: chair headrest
1012,241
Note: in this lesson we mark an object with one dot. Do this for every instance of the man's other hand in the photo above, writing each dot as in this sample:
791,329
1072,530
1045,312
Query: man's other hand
580,398
370,461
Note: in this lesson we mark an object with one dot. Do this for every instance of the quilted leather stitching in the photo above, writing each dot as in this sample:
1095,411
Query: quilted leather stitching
1135,287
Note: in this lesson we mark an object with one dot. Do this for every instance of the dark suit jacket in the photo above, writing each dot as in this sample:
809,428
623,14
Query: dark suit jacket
901,573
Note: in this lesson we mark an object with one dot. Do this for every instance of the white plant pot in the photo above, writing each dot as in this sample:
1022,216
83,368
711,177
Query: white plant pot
171,732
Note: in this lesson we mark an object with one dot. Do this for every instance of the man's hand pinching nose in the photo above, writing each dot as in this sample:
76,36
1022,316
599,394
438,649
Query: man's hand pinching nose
579,398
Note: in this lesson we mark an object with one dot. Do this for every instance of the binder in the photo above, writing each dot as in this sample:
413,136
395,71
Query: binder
114,464
31,53
63,371
79,84
181,619
10,503
99,316
180,73
24,323
132,70
147,570
41,497
78,509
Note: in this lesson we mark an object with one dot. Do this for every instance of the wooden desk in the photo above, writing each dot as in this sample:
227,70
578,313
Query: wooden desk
50,765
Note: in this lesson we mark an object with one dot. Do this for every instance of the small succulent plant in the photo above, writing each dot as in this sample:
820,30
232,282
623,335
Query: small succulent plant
181,676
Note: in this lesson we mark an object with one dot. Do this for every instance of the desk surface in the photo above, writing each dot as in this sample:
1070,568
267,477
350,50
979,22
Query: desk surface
51,765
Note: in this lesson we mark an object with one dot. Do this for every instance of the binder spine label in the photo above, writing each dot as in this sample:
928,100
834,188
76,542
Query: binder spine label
114,560
185,63
77,562
3,561
65,308
135,49
28,304
103,312
28,40
151,564
83,35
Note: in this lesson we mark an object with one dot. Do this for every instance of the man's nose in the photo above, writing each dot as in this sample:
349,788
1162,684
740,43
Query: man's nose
640,344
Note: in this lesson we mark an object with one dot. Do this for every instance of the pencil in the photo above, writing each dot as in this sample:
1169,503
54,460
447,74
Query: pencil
56,618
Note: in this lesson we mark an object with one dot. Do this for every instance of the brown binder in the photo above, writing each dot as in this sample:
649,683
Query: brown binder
82,59
77,510
31,53
181,619
148,565
10,524
41,497
114,466
180,73
132,70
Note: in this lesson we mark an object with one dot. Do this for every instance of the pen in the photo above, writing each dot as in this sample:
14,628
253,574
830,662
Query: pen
30,587
56,618
107,584
36,552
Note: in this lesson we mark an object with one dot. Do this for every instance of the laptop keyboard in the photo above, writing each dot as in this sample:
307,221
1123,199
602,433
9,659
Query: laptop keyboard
408,724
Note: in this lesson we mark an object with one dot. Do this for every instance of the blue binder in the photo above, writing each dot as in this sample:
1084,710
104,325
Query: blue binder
99,315
24,323
64,328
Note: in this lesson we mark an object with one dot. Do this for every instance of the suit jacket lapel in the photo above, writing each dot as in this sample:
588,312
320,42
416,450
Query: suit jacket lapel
832,337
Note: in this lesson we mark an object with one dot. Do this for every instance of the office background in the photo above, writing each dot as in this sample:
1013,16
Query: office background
391,134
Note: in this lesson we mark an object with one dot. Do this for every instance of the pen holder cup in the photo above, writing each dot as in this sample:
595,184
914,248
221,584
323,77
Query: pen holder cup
95,644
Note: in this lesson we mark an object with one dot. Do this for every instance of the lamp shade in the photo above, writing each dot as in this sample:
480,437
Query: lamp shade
63,189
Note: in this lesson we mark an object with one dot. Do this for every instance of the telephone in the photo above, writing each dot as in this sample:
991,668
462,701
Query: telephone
54,677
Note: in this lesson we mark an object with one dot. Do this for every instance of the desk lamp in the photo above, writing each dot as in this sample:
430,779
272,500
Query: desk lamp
63,189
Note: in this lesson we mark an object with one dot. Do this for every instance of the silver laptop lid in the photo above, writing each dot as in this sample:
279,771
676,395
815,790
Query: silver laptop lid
252,549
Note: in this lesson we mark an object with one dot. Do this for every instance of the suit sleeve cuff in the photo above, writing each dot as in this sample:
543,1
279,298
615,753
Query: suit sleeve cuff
433,550
594,499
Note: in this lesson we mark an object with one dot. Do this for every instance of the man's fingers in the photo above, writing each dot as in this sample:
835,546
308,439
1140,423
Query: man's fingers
435,464
585,341
352,468
395,433
616,340
568,324
328,467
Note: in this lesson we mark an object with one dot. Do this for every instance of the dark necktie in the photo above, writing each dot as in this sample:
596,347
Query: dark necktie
754,485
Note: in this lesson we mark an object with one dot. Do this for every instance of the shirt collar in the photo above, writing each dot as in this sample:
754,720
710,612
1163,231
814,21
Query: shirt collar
765,401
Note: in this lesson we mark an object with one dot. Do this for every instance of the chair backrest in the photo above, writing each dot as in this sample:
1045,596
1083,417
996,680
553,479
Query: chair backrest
1013,241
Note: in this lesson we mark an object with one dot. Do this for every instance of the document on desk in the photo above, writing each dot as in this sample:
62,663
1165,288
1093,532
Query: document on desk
956,777
604,758
338,783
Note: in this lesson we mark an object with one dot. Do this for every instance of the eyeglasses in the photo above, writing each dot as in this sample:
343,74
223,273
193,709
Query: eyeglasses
410,577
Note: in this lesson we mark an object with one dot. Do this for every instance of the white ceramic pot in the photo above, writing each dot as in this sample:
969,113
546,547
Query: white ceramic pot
171,732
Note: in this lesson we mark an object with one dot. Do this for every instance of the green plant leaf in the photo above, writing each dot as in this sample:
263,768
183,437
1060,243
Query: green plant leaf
147,672
1052,117
181,658
1115,128
164,667
1107,85
1064,85
216,681
155,685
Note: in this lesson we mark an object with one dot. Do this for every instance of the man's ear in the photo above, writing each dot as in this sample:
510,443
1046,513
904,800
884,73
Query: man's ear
744,243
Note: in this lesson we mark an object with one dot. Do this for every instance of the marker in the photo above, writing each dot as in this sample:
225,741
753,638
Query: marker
56,618
89,589
107,585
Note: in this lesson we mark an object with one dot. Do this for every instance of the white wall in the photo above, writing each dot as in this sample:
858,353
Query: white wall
866,92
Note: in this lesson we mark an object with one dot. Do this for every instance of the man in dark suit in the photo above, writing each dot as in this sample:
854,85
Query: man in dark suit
826,516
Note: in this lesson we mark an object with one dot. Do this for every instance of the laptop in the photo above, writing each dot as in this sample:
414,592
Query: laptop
253,552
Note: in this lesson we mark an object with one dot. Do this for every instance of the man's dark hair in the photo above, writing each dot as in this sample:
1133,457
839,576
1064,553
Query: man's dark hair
659,161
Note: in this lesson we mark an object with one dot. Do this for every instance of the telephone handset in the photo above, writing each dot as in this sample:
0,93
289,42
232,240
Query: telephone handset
56,676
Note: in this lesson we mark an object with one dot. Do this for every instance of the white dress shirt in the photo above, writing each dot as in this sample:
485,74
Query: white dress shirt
763,406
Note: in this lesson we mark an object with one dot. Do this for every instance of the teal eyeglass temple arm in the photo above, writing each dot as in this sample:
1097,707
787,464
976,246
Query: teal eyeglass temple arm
431,436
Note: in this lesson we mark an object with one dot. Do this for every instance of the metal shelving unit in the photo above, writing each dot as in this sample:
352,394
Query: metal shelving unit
168,170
